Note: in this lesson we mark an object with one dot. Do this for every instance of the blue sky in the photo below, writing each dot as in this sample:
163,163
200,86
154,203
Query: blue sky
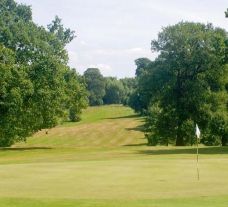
111,34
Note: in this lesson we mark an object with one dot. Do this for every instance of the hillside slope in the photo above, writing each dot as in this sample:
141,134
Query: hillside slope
105,126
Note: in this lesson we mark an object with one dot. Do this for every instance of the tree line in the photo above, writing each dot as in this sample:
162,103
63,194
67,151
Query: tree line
187,84
107,90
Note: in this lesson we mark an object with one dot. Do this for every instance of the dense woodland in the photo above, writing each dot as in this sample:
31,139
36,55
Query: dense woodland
186,84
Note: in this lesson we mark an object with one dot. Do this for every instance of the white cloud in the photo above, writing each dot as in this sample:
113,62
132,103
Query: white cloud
112,34
84,43
105,69
73,58
123,52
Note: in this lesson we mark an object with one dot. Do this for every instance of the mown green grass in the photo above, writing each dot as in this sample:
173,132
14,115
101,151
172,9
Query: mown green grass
104,113
220,201
104,162
106,126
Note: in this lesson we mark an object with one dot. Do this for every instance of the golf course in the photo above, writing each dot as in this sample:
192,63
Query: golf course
113,103
104,161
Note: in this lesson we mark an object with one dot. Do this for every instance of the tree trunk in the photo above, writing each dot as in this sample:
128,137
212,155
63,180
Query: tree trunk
180,141
224,141
179,136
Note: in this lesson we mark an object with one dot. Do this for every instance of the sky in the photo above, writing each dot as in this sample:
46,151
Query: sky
112,34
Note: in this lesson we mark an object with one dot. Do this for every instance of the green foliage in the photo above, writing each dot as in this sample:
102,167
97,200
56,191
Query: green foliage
185,81
129,85
138,99
118,91
114,91
141,64
34,93
135,102
64,35
95,86
15,87
107,90
77,95
217,133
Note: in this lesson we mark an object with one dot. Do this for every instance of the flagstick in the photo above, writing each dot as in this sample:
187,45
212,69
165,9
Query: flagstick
197,159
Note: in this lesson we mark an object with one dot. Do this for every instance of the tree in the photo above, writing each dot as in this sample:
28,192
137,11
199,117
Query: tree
77,95
95,86
140,97
15,87
114,91
129,85
63,35
182,84
33,68
141,64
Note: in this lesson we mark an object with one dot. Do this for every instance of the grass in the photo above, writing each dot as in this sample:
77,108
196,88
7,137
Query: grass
107,126
104,113
202,202
104,162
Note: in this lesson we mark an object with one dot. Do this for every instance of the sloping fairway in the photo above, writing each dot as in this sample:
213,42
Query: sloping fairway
103,162
106,126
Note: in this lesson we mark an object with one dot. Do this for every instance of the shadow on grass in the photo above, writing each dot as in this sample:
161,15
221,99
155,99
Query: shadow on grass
168,151
125,117
139,128
24,148
136,145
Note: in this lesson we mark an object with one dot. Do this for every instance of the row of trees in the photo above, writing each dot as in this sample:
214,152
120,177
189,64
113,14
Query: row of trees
107,90
37,88
186,84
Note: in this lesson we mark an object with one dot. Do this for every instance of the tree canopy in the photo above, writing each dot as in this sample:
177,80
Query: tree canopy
114,91
33,65
185,85
107,90
95,86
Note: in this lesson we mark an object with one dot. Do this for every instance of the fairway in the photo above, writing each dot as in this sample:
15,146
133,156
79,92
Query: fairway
103,161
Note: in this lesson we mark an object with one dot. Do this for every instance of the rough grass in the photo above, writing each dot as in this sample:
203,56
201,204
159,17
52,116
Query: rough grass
105,163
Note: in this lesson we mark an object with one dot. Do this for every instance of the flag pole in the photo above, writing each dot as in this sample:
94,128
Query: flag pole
197,159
